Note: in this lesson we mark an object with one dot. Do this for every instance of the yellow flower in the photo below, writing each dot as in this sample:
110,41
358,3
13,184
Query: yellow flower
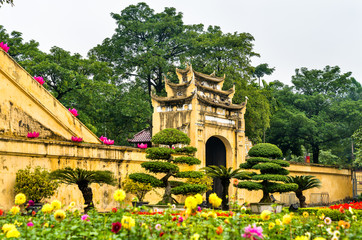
204,215
119,195
7,227
319,238
17,223
198,198
278,222
14,210
321,217
287,219
128,222
271,225
265,215
47,208
191,202
305,214
56,204
214,200
20,198
301,238
13,233
195,237
212,214
46,224
59,215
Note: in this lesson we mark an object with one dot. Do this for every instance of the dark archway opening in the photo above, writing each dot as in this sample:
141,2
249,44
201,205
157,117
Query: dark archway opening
215,155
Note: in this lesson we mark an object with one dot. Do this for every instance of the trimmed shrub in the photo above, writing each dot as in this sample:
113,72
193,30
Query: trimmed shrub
170,136
266,150
187,160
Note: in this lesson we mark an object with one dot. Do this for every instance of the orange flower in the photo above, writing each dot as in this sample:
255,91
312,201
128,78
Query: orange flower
219,230
235,182
346,225
340,223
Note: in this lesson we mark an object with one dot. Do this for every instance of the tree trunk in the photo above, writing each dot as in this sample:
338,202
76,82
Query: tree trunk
315,150
266,198
301,198
87,195
225,192
167,198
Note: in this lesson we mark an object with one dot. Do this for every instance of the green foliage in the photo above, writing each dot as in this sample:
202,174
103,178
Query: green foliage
170,136
272,177
357,137
146,178
334,214
159,153
266,150
187,160
160,167
36,184
250,185
320,112
138,188
188,189
186,150
205,180
189,174
267,167
311,210
304,182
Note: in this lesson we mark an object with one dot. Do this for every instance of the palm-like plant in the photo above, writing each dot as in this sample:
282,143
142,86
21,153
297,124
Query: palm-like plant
304,182
83,178
224,174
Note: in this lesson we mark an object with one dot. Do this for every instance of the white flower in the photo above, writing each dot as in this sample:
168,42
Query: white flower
308,234
173,206
329,230
350,210
336,234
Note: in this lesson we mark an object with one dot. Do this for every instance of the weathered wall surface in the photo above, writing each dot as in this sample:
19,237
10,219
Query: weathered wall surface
26,106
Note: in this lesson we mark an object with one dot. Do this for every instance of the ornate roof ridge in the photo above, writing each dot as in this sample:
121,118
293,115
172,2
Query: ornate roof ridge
177,85
220,104
183,71
210,77
173,98
223,92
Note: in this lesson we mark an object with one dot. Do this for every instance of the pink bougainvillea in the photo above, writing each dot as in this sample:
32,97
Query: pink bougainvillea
39,80
74,111
4,46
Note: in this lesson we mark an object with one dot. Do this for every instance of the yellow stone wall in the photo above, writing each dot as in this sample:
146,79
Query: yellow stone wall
26,106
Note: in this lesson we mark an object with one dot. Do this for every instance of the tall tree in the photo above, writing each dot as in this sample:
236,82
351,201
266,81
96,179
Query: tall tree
261,70
317,111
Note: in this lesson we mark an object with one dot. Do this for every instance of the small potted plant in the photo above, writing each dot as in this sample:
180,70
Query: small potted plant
36,185
137,188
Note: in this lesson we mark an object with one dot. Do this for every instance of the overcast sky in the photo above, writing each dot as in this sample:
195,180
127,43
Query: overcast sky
288,34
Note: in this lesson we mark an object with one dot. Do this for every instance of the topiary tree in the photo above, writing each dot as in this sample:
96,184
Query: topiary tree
162,162
273,175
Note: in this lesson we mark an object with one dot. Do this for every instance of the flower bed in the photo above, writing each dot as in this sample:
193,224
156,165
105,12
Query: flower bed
354,205
171,224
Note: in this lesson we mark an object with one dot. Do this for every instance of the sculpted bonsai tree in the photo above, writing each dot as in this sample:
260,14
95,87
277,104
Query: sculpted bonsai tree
83,178
304,183
273,175
165,165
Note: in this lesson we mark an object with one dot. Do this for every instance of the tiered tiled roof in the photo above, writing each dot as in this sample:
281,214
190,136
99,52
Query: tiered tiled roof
143,136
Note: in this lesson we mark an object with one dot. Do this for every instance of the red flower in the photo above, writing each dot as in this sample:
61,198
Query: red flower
341,209
1,212
161,234
33,213
116,227
114,210
219,230
174,218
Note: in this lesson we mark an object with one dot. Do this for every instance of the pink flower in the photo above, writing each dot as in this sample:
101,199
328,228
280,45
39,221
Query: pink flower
142,145
198,208
158,227
33,135
39,80
85,217
30,224
4,46
252,232
74,111
77,139
106,141
31,203
180,219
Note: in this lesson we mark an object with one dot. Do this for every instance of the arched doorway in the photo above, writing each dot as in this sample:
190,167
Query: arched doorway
215,155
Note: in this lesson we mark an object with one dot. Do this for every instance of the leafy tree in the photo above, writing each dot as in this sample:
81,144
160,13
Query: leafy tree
273,175
357,136
319,112
224,174
261,70
163,163
304,183
83,178
7,1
